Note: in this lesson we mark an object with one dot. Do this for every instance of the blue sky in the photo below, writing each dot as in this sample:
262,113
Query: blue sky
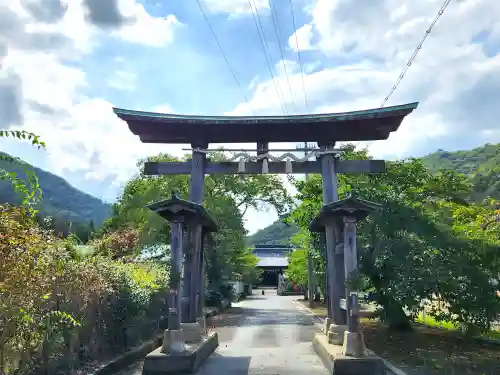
65,64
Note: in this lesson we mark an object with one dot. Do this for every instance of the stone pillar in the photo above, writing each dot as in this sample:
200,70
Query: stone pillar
201,285
330,194
186,277
173,340
196,191
196,238
340,275
354,345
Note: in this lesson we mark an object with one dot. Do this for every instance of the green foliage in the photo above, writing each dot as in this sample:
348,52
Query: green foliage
297,267
278,233
481,164
56,308
425,244
119,244
227,197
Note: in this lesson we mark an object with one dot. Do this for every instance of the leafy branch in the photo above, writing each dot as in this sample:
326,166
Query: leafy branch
29,188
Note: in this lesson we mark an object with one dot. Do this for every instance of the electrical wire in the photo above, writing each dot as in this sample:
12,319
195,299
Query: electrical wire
298,55
414,55
225,57
277,31
265,49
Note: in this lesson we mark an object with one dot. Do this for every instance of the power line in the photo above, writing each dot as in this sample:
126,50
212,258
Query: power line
414,55
277,31
298,55
265,48
224,56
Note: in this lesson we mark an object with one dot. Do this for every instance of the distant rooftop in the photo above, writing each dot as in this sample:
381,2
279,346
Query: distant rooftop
371,124
273,247
272,262
272,255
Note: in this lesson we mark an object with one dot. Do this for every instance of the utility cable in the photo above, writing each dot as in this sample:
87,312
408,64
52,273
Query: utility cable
277,30
268,51
298,55
224,56
414,55
263,43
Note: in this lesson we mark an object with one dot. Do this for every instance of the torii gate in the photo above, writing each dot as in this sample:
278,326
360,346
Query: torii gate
325,129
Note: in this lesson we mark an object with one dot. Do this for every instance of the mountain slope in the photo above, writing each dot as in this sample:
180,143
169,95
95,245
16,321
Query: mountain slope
467,162
278,233
481,164
60,199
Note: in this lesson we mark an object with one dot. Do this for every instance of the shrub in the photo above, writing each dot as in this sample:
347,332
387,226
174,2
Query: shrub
118,244
57,310
227,292
213,298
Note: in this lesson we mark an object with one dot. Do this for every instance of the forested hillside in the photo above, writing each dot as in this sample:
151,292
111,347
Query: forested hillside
61,201
481,165
277,233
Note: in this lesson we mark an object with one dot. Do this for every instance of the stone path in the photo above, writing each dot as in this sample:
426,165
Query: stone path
271,335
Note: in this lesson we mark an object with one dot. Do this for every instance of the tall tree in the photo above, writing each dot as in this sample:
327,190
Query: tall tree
227,198
410,250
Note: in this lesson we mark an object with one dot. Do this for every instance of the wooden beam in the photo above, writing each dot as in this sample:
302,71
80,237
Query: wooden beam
342,166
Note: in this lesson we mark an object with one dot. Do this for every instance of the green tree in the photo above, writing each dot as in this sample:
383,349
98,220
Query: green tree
297,267
227,197
410,251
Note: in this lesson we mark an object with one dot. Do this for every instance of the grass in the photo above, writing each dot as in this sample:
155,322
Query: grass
433,348
429,321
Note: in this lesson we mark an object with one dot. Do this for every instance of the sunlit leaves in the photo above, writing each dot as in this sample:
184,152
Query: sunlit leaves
227,198
46,294
297,267
428,242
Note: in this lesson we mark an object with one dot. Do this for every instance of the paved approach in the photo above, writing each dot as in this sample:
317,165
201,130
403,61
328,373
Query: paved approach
263,335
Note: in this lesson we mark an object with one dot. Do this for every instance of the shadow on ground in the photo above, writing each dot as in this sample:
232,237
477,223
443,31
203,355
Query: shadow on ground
226,365
245,316
257,297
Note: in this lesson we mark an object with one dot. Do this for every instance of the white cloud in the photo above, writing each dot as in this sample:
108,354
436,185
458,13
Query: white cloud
302,38
41,92
457,84
123,80
56,88
148,30
236,8
163,108
128,20
91,141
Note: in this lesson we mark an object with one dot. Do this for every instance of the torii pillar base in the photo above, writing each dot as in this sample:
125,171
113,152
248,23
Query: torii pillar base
339,364
186,362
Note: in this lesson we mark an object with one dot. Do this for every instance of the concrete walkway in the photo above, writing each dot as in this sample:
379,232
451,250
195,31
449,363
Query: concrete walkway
270,335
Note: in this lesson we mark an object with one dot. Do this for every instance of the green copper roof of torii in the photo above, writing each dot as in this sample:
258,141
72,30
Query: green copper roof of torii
365,125
341,116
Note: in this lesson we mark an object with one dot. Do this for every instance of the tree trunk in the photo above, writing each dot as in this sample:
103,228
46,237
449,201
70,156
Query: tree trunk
394,315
